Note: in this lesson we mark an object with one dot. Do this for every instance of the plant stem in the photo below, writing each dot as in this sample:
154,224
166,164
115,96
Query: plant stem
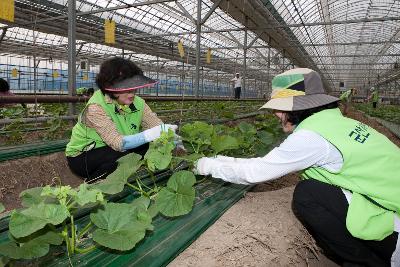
140,181
71,205
73,234
85,250
141,191
66,238
84,230
134,187
201,180
154,181
193,147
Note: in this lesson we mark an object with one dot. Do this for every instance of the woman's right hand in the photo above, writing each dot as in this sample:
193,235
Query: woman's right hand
155,132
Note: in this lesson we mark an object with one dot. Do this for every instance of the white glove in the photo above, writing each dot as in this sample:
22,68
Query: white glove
155,132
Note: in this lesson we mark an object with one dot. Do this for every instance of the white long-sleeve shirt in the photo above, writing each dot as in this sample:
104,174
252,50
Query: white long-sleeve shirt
237,82
302,149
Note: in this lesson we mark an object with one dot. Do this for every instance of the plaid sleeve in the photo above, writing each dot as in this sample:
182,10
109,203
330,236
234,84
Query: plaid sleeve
95,117
150,118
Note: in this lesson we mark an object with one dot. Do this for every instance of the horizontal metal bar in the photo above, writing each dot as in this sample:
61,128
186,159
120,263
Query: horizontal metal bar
91,12
75,99
37,119
271,27
312,45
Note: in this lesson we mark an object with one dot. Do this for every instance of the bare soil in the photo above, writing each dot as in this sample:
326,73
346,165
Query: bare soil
259,230
20,174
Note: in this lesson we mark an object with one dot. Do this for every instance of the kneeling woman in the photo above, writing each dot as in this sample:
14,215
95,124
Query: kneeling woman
110,125
349,197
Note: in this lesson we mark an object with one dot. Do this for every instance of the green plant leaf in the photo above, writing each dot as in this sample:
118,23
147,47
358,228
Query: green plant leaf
223,142
32,247
153,210
28,221
62,193
29,250
120,226
86,196
228,114
4,261
192,157
2,208
115,182
197,133
32,196
178,196
247,128
156,160
141,203
265,137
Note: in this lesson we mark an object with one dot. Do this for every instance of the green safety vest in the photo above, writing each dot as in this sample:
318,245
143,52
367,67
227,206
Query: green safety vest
370,170
375,96
84,138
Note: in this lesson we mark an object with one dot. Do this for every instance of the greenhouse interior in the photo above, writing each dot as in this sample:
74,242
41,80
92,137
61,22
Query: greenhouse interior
199,133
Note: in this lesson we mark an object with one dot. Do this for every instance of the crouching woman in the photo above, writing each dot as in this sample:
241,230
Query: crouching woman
349,198
114,122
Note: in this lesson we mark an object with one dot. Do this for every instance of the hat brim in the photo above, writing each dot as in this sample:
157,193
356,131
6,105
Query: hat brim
132,83
302,102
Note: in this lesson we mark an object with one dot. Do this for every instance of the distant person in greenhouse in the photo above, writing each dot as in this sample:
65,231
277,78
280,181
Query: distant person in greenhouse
114,122
374,97
348,198
346,99
237,85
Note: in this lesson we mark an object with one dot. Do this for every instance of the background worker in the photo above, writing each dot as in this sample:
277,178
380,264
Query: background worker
114,122
346,99
237,85
349,196
374,96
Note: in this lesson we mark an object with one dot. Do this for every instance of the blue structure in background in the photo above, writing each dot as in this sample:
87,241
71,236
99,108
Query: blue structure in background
47,83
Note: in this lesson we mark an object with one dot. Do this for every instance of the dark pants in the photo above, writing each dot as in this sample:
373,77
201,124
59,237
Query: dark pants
374,104
99,162
237,92
322,208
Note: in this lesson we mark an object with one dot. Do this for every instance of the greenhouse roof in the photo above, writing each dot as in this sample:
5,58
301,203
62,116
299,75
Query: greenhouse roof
354,41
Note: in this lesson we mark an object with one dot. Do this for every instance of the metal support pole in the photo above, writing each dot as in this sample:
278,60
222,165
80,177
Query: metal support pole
71,52
244,63
218,92
269,67
158,76
34,75
198,39
202,81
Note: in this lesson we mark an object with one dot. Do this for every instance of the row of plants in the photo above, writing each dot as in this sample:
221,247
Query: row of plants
55,128
48,216
386,112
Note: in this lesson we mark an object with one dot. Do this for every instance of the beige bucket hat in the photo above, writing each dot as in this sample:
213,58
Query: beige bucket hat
298,89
